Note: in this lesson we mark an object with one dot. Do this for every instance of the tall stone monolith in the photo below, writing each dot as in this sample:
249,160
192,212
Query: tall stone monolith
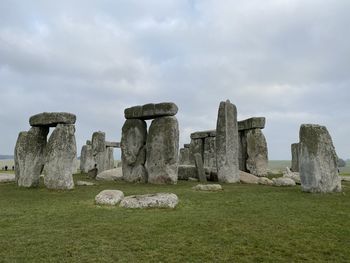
162,150
257,155
317,160
61,151
30,156
227,143
133,147
295,157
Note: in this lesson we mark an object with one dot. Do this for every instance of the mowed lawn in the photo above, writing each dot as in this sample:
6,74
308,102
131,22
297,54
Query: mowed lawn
243,223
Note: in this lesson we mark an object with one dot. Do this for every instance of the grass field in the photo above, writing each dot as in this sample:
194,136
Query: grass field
243,223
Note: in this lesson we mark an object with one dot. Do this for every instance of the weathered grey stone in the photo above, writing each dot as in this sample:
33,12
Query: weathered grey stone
209,153
200,168
196,146
109,197
283,181
295,157
84,183
61,150
345,178
7,178
187,171
30,156
51,119
287,173
151,111
227,143
317,160
109,161
242,150
87,161
257,155
98,142
159,200
162,151
192,179
252,123
248,178
111,175
88,142
92,173
187,145
264,181
203,134
134,136
184,158
113,144
207,187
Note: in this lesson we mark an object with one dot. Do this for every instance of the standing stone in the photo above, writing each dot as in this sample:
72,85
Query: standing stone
184,158
133,147
242,150
196,146
295,157
162,151
209,155
29,156
61,151
109,158
200,168
257,161
227,143
87,161
317,160
99,151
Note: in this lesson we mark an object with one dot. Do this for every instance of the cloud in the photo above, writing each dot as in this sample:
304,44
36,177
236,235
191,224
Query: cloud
286,60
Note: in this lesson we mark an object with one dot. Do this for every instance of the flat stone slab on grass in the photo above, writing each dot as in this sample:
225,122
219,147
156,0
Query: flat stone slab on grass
248,178
345,178
7,178
109,197
159,200
110,175
283,181
151,111
265,181
51,119
84,183
207,187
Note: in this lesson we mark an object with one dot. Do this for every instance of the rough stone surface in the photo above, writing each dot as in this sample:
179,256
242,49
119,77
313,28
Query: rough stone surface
133,147
242,150
209,153
265,181
51,119
345,178
295,157
92,173
30,156
257,155
196,146
61,151
111,175
159,200
7,178
151,111
227,143
109,161
184,158
203,134
282,181
248,178
109,197
98,142
200,168
207,187
162,151
187,145
84,183
87,161
287,173
317,160
252,123
187,171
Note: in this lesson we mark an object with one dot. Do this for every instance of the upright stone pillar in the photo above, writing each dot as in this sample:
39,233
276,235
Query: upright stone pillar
227,143
209,155
61,151
295,157
184,158
133,147
317,160
99,150
30,156
257,161
162,150
87,161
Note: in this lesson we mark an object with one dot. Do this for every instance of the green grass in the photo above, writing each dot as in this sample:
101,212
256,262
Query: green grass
243,223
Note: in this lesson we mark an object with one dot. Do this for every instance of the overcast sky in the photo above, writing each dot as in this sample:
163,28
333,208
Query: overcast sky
287,60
